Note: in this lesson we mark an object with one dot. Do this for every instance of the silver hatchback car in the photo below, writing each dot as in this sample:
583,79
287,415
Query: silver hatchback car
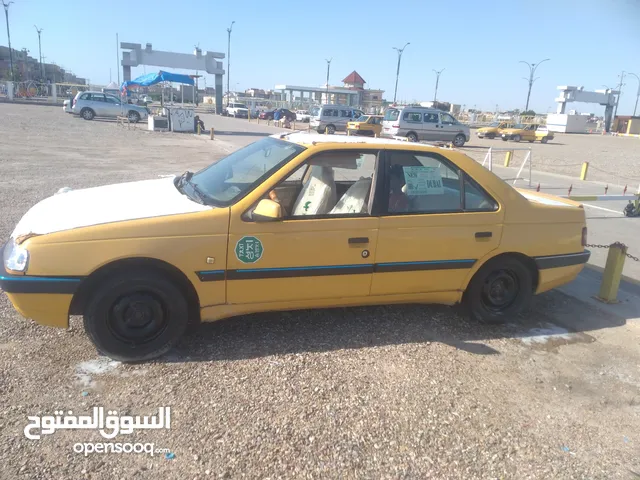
98,104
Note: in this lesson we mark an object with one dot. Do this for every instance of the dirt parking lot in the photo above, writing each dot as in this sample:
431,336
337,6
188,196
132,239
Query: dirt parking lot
385,392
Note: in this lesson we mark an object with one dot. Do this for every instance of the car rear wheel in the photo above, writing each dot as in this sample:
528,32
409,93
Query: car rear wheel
517,138
412,137
544,140
331,129
504,139
459,140
501,289
136,316
87,114
490,136
134,117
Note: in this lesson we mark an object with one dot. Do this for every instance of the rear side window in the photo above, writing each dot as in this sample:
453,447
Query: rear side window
84,96
412,117
391,115
345,113
430,118
330,112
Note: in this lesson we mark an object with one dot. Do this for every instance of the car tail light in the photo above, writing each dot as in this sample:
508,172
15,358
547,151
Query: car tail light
357,126
584,236
74,103
395,126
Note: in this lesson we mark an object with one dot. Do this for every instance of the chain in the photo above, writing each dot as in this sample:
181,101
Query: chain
618,244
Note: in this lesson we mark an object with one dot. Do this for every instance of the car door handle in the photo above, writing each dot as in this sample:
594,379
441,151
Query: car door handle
484,234
354,240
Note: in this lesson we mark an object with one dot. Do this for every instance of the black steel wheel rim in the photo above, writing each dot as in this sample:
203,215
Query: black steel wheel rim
137,318
500,290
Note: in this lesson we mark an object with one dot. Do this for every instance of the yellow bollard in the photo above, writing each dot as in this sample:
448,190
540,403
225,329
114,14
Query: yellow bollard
612,273
507,158
294,125
198,129
585,169
326,131
211,131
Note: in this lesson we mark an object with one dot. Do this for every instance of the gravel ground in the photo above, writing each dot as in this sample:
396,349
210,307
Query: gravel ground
384,392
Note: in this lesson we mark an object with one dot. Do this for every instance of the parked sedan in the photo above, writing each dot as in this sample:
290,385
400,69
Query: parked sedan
97,104
268,115
292,221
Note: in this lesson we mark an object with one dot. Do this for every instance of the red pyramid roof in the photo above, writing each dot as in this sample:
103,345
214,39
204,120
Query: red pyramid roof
354,78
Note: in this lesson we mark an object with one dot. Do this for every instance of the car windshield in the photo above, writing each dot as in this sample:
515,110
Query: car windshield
391,115
494,124
362,118
226,181
518,125
240,105
315,112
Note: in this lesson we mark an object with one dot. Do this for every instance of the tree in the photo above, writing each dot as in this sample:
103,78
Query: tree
528,113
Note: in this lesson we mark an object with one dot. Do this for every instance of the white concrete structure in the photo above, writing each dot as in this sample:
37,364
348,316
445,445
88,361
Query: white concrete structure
566,123
318,94
206,62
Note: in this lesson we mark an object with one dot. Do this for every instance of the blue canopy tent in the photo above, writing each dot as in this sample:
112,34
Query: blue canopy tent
153,78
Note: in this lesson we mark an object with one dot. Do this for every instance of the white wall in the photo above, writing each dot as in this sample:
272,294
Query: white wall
563,123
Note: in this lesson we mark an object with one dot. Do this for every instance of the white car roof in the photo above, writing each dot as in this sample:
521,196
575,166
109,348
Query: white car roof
305,138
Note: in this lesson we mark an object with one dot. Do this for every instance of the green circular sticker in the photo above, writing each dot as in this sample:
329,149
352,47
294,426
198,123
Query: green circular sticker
249,250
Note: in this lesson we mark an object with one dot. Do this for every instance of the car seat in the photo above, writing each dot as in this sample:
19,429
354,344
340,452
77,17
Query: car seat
318,195
354,199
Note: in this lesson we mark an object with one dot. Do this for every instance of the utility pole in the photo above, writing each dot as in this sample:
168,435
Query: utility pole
400,50
229,57
620,85
532,71
435,95
328,67
6,14
637,94
39,30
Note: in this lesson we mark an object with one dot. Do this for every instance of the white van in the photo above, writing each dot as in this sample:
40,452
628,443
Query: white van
333,118
421,123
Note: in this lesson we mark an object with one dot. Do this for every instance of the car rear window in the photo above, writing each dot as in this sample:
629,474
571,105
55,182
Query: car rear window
391,115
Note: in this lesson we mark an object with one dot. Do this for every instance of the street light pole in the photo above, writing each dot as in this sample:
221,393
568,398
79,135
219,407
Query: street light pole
532,71
399,50
637,94
328,68
39,30
6,14
229,57
435,95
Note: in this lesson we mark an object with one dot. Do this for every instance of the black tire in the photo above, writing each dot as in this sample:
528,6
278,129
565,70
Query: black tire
517,138
128,298
133,116
412,137
330,129
544,140
500,290
490,136
504,139
87,114
459,140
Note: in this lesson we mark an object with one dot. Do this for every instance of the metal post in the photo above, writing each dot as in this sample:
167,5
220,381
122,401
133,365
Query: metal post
39,30
328,68
612,273
400,50
118,58
620,85
229,58
637,94
6,14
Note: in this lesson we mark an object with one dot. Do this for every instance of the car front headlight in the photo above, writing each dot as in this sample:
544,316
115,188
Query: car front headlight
15,256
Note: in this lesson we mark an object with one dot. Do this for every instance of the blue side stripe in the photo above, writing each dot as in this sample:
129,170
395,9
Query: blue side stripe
211,271
319,267
430,262
38,279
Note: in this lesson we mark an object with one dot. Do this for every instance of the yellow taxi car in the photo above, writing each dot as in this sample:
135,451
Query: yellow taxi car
493,130
370,125
292,221
528,133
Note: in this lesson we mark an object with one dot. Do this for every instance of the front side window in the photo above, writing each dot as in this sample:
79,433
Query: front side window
337,183
428,183
111,99
231,178
447,119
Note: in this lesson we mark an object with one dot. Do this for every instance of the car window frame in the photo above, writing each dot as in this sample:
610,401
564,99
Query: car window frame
374,195
383,203
410,112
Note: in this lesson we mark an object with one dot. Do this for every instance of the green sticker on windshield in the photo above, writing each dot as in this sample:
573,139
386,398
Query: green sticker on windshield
249,250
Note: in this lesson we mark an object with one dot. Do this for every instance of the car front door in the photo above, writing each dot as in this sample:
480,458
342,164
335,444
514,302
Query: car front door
98,104
449,127
112,107
431,127
437,223
322,248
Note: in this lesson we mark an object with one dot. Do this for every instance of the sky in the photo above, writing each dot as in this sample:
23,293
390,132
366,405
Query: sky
478,44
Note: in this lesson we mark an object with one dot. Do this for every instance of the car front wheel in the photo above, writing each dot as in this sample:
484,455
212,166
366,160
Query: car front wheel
134,117
136,317
459,140
87,114
500,289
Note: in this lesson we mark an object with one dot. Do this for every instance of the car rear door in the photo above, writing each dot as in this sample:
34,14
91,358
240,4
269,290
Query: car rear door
430,234
321,249
98,104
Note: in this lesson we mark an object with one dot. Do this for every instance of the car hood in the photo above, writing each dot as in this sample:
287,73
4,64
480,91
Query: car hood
488,129
119,202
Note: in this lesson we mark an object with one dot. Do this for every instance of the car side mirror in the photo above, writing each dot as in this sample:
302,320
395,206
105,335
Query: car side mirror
267,211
